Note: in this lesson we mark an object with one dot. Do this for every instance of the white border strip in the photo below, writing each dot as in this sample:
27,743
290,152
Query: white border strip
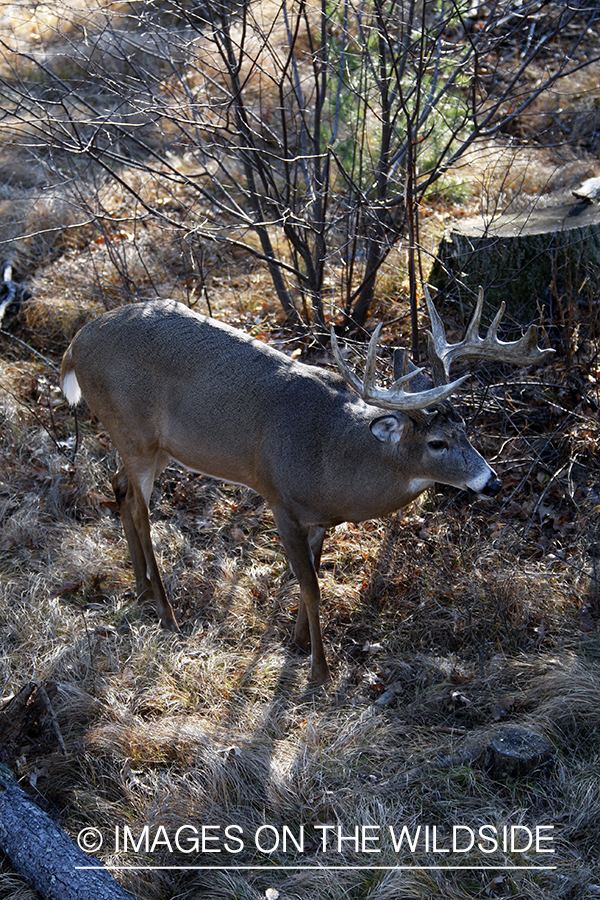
321,868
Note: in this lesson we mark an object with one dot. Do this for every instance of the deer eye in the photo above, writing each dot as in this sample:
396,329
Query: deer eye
438,445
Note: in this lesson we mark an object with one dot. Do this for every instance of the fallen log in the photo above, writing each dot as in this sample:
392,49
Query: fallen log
44,855
511,752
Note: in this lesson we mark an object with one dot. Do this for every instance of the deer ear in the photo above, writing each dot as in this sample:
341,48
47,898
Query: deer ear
389,429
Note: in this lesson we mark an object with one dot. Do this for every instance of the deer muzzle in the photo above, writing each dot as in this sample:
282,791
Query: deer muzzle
492,488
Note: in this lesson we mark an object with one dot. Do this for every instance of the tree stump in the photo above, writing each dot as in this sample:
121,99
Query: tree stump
540,261
515,751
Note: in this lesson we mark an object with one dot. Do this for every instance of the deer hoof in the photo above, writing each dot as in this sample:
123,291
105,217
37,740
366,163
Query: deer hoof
320,675
169,623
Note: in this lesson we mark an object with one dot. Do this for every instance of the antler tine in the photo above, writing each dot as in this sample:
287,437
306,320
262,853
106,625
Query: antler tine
436,342
472,332
523,352
493,329
371,363
438,331
395,397
347,374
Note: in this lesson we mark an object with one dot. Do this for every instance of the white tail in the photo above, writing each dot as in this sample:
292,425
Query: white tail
69,383
168,384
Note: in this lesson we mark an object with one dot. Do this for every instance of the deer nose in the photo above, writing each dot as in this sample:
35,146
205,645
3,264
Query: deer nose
492,487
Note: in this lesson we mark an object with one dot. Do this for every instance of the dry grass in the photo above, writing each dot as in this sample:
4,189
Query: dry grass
445,624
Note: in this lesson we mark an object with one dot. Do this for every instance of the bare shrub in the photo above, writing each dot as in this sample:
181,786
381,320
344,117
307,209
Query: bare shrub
309,136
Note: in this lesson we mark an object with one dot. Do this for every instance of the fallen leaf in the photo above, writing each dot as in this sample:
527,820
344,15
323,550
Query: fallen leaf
69,587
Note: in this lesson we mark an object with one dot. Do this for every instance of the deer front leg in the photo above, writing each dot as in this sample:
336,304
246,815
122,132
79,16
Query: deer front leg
298,543
136,525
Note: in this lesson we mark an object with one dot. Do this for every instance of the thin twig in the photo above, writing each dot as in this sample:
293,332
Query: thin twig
43,694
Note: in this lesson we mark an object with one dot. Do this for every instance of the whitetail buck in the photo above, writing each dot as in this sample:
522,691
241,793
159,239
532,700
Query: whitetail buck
168,384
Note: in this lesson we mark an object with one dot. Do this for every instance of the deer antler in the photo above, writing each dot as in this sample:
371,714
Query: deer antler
523,352
395,397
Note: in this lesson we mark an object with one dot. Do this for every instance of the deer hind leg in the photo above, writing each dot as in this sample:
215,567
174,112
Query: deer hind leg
132,500
302,630
299,543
